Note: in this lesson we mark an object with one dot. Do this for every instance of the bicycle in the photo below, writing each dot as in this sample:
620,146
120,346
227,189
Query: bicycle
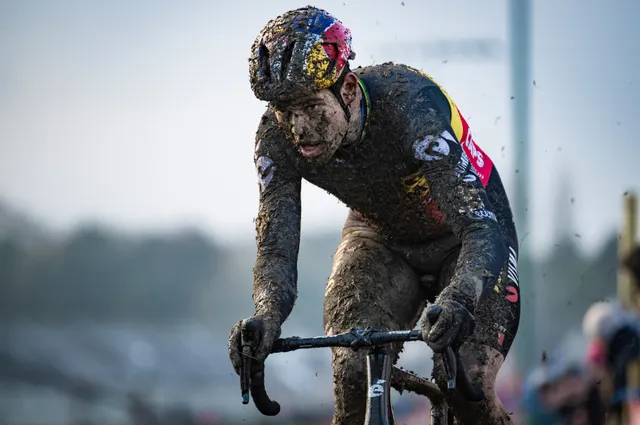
381,375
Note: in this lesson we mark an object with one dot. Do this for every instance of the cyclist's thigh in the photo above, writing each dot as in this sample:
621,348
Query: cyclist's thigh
369,287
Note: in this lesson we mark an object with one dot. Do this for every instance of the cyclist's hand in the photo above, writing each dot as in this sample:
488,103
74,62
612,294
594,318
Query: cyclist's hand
447,323
269,332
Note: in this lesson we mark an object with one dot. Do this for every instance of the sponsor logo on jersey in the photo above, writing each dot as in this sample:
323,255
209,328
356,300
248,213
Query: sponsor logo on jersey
479,159
513,288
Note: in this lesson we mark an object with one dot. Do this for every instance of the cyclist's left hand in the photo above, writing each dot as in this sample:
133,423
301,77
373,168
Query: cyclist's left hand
268,333
447,323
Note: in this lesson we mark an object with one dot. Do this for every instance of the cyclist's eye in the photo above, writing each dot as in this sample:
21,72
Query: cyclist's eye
312,107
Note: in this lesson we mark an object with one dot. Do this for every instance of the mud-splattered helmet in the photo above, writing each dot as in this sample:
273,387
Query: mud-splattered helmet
298,53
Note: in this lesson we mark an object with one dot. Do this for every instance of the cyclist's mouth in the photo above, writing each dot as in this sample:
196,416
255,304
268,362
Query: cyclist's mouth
310,151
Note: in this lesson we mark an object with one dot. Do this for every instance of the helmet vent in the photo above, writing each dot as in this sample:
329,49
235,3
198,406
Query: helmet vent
286,59
263,58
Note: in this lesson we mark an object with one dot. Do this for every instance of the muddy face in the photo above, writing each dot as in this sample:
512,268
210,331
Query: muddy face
318,124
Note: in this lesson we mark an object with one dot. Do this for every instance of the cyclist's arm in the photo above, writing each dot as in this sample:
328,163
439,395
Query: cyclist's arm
277,225
460,196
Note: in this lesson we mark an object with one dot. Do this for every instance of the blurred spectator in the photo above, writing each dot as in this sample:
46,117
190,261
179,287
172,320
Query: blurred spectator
614,350
562,391
614,344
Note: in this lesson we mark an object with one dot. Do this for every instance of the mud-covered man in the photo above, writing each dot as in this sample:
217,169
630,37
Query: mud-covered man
424,199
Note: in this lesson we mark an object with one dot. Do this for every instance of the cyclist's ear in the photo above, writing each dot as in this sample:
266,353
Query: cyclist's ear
349,88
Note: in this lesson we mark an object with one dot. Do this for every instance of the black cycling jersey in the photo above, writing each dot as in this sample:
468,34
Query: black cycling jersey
417,174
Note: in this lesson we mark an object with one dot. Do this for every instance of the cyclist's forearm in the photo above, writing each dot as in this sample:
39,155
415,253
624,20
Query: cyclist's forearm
274,287
459,192
466,208
481,257
275,273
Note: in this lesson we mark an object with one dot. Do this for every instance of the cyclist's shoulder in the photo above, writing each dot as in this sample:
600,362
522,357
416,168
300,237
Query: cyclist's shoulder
408,85
267,120
269,135
394,72
410,79
268,126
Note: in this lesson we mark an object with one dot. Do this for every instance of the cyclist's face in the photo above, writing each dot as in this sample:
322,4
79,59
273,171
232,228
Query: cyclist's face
317,123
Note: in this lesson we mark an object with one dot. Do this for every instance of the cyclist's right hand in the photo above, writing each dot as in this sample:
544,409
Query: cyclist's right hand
269,329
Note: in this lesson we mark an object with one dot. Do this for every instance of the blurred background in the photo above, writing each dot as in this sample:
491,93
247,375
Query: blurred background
128,191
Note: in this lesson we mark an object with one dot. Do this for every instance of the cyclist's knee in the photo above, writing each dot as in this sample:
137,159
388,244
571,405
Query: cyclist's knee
482,364
370,286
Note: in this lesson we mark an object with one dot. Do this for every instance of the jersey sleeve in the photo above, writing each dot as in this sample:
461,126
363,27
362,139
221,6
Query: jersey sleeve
277,225
457,188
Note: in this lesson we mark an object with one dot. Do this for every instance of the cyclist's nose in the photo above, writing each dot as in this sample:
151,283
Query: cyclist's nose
298,126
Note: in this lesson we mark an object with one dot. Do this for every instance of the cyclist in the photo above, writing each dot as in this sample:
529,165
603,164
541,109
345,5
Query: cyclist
424,199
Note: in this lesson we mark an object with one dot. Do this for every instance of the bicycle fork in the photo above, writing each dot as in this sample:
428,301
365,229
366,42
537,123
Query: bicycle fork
379,410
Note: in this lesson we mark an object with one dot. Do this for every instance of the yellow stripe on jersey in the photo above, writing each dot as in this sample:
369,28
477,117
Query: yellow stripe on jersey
456,121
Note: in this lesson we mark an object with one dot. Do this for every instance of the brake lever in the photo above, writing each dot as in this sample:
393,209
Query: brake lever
450,367
448,355
247,344
245,374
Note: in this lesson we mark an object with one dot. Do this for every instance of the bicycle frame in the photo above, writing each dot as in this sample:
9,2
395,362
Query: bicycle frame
379,410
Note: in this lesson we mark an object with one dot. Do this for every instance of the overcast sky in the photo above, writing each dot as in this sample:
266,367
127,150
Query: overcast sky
140,115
